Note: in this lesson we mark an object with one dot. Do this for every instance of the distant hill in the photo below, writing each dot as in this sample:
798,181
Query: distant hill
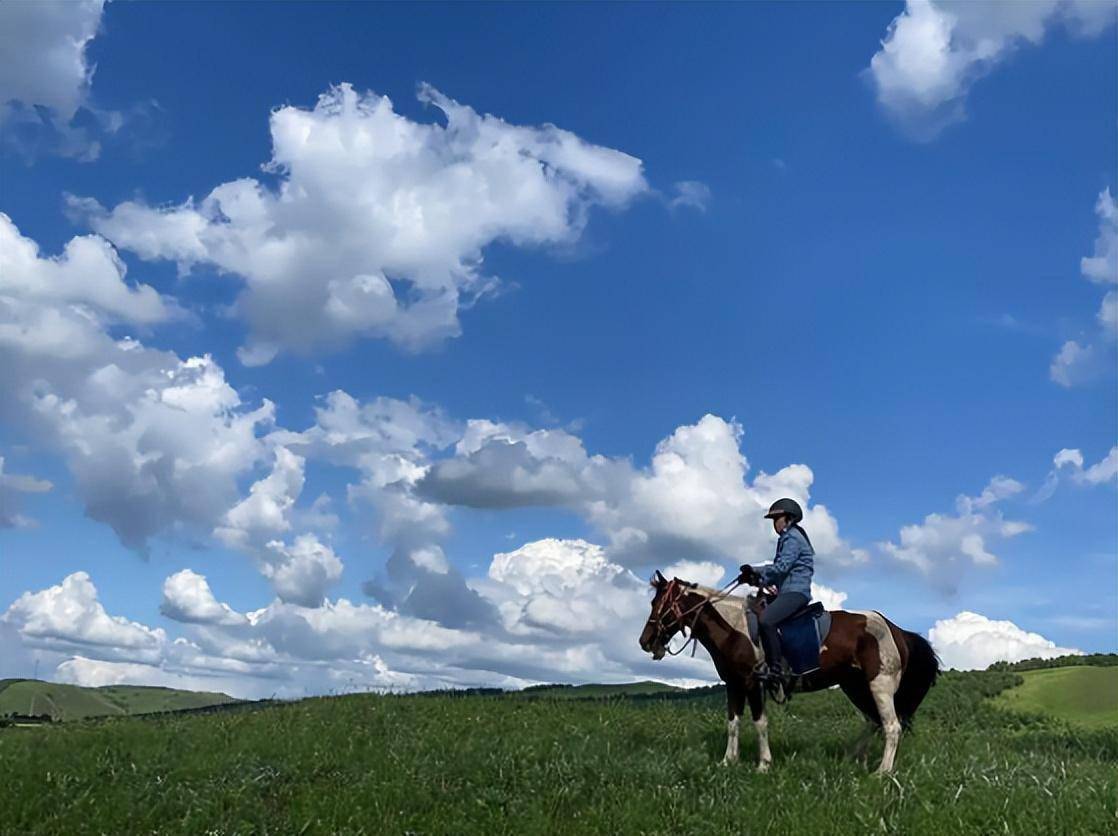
73,702
1102,660
627,689
1086,695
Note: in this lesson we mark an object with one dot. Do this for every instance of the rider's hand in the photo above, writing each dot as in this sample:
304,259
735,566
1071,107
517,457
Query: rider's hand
748,575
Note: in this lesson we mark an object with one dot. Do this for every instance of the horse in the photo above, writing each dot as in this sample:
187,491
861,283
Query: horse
883,670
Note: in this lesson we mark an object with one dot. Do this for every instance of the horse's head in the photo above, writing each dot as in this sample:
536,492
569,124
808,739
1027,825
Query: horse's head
666,618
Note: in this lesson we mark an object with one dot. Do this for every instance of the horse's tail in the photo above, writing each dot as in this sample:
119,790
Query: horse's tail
919,676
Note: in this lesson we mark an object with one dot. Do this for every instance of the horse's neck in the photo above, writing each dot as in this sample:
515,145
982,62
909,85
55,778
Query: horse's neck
711,632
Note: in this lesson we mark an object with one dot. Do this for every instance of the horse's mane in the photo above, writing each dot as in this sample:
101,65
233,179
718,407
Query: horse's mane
710,592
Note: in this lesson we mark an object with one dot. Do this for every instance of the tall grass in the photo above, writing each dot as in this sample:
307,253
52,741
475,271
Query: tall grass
497,764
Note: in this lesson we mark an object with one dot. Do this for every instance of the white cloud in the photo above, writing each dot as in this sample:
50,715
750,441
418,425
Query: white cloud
1073,364
156,450
935,50
187,597
42,54
303,571
831,599
1078,363
69,616
704,572
378,226
45,79
970,641
1102,266
266,511
565,613
155,442
692,499
11,485
691,194
944,545
1071,462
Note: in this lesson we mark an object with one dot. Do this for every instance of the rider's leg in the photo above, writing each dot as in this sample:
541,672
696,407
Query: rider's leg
783,606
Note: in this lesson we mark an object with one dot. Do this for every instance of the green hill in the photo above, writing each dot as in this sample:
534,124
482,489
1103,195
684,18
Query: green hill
511,764
627,689
1084,695
72,702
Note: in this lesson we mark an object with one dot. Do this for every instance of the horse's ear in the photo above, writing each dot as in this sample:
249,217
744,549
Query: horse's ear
658,580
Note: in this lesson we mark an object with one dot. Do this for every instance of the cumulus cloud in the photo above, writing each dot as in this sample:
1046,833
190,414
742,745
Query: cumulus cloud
46,78
564,613
692,499
42,54
155,442
69,617
944,545
1076,362
301,571
11,486
935,50
378,225
187,597
970,641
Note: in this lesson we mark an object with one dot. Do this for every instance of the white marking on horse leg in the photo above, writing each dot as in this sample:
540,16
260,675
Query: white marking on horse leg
884,687
732,747
766,757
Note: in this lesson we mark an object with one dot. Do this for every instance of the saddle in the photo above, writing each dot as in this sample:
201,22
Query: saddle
802,634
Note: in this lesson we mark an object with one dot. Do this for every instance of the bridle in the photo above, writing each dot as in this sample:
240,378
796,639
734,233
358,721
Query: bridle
671,604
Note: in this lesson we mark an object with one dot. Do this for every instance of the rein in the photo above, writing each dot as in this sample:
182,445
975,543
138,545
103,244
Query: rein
679,614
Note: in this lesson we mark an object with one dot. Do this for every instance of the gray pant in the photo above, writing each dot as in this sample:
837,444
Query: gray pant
785,604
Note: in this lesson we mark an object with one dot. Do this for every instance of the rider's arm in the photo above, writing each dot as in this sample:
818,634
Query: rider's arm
786,555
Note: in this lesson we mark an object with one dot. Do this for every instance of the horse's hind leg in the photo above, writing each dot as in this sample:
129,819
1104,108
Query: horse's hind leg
735,703
862,741
761,723
883,687
858,692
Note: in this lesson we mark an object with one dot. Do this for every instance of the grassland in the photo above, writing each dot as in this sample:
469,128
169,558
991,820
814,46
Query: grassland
71,702
1084,696
541,764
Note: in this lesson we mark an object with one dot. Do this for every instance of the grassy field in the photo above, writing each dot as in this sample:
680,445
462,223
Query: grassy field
1081,695
540,764
70,702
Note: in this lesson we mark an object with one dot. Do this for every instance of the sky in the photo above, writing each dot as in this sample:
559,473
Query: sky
355,346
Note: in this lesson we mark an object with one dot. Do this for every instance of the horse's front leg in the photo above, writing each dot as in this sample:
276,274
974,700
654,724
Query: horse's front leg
761,723
735,703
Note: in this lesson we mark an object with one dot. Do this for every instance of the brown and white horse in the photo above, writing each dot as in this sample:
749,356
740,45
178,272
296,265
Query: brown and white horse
884,670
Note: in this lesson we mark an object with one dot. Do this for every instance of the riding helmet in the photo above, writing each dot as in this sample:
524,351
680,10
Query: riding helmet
786,506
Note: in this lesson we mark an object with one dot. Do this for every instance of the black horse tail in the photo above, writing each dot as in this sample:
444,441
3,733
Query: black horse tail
919,676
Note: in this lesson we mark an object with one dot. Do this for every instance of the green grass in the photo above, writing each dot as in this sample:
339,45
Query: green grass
1085,696
505,764
71,702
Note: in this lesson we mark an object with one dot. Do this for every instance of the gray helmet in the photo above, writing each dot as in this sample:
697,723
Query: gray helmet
786,506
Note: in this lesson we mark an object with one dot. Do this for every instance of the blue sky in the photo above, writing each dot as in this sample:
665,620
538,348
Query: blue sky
830,227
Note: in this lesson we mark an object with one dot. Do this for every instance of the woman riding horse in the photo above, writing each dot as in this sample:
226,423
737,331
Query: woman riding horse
790,573
884,670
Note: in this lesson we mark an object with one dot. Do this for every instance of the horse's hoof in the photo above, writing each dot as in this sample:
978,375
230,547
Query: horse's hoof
727,762
763,766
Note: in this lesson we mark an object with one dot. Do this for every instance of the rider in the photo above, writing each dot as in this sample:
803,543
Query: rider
790,572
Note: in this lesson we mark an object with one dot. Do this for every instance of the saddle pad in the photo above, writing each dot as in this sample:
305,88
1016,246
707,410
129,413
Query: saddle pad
801,647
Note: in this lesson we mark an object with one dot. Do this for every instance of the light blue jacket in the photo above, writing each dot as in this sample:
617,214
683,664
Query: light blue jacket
793,567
